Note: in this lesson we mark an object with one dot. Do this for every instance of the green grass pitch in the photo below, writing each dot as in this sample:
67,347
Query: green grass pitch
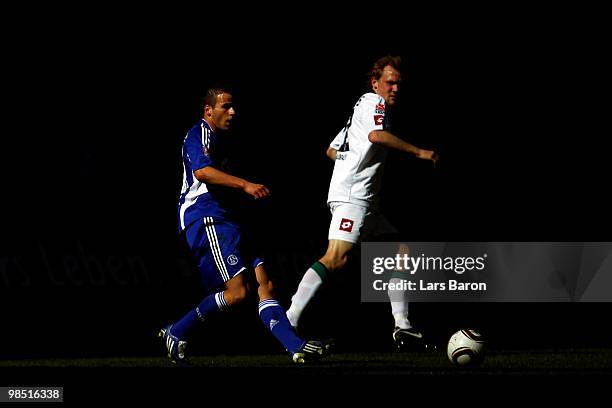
582,361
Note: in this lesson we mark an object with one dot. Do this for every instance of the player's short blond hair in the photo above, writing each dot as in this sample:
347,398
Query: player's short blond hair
380,64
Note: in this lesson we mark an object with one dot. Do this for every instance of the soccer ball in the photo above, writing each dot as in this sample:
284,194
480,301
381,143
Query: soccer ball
466,348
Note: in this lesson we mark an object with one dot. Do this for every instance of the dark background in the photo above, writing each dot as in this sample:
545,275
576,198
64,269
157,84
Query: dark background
97,109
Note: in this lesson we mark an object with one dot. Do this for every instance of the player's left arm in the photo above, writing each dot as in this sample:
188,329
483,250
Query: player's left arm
331,153
336,144
388,139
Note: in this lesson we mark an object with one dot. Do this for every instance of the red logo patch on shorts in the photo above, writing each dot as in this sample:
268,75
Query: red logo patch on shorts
346,225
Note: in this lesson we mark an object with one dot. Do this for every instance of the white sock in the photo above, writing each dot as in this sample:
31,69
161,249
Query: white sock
305,291
399,305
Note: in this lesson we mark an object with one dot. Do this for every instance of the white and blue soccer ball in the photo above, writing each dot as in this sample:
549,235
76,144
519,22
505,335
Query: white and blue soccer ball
466,348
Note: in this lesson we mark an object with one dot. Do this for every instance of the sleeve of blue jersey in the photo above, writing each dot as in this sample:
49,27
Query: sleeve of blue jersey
195,152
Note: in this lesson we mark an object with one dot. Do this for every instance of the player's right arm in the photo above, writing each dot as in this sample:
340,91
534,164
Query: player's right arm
388,139
371,113
205,171
212,176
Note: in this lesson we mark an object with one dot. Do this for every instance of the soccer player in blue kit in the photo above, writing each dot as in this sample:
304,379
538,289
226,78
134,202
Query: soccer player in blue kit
214,238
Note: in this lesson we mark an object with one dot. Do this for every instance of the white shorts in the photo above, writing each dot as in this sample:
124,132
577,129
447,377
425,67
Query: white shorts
353,223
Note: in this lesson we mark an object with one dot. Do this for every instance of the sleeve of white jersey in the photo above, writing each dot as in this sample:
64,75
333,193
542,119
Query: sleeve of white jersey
338,140
371,113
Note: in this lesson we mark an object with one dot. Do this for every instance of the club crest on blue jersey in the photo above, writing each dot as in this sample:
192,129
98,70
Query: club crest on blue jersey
232,259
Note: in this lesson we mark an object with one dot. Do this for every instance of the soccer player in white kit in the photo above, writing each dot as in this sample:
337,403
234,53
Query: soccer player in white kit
359,152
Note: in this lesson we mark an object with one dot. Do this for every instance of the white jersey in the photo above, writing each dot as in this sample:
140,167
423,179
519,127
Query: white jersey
359,162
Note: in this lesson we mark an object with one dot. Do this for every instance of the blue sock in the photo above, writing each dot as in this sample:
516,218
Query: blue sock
275,319
210,304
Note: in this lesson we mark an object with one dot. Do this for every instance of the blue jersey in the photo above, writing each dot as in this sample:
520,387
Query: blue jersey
196,200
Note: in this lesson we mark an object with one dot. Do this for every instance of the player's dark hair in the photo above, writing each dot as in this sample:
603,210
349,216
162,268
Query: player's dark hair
210,98
377,70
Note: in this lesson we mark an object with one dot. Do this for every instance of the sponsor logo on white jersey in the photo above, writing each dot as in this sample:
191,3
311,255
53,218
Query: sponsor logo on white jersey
346,225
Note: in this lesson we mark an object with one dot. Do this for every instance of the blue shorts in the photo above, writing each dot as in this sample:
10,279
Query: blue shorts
215,244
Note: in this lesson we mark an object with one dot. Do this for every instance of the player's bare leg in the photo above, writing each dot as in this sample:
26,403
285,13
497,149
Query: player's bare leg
274,318
235,290
265,289
334,259
337,254
175,335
